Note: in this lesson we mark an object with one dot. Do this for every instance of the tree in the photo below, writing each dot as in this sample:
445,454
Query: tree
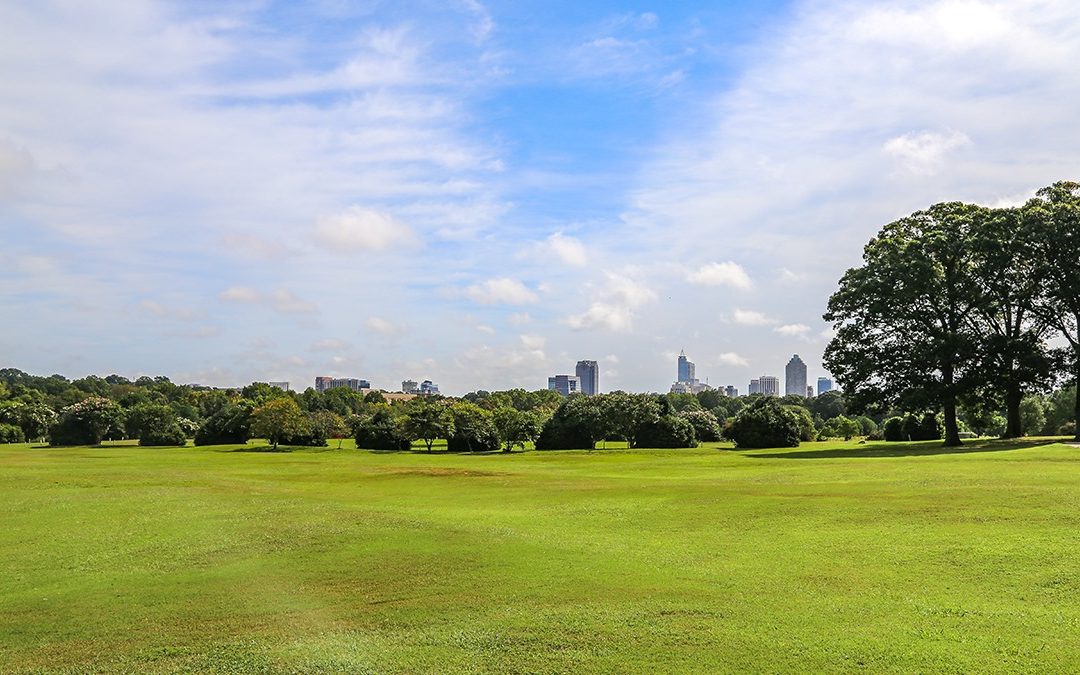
1054,217
154,424
828,405
706,426
474,430
230,424
765,423
902,319
1032,415
840,427
428,420
668,431
1013,353
625,415
278,418
577,424
515,427
88,422
379,431
807,430
326,424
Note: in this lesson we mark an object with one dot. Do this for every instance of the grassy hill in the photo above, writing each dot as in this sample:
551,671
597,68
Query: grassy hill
832,556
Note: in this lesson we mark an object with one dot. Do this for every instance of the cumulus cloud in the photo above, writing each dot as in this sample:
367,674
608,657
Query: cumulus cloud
793,330
568,250
924,152
385,327
280,300
501,291
721,274
731,359
362,229
328,345
614,306
746,317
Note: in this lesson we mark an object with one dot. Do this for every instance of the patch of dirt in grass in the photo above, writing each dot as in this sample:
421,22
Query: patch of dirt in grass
439,472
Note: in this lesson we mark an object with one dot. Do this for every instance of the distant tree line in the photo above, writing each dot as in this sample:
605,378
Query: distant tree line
967,311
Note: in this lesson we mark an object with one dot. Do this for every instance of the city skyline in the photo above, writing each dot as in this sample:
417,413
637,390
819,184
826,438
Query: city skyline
280,190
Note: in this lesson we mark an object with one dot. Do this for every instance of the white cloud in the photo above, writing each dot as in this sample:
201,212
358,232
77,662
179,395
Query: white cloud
731,359
567,249
280,300
242,294
721,274
362,229
614,306
503,290
484,328
924,152
746,317
793,330
520,319
533,341
385,327
328,345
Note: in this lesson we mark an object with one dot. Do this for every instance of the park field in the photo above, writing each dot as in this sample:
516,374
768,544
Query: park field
830,557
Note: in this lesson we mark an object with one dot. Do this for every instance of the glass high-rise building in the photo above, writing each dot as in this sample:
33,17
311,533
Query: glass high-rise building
795,377
589,374
686,369
824,384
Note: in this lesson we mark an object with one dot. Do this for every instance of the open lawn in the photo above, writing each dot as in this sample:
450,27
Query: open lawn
832,556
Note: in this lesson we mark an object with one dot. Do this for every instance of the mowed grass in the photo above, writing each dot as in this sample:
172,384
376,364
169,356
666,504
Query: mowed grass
829,557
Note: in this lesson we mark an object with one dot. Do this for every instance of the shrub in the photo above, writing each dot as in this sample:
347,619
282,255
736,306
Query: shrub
765,424
230,424
168,435
9,433
893,429
706,426
867,426
1067,429
840,427
88,423
670,431
807,430
577,424
380,431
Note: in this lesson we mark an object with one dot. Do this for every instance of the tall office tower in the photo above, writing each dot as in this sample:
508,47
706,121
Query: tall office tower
755,387
409,387
565,384
770,385
731,391
686,369
795,377
322,383
428,388
809,391
824,384
589,374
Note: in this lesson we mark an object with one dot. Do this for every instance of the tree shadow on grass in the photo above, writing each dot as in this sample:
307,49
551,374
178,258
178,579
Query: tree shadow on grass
920,449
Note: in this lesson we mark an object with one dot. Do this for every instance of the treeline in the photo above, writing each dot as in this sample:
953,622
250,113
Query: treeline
967,311
157,412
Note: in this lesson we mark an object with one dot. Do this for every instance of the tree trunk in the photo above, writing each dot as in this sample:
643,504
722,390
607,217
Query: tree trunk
1076,405
952,431
1013,397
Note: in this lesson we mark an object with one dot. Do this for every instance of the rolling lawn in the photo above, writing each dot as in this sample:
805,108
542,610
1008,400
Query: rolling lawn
829,557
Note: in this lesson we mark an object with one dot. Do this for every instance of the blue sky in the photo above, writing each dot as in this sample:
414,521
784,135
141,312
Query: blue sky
482,193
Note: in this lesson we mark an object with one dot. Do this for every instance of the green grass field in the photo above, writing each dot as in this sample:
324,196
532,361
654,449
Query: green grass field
832,556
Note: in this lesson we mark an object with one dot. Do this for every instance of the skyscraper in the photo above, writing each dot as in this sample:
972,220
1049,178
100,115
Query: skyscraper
565,384
824,384
795,377
755,387
589,374
686,369
770,385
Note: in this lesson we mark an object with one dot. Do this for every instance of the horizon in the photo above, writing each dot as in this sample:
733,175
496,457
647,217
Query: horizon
482,194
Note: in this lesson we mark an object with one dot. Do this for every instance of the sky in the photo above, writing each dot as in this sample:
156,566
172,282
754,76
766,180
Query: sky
482,193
